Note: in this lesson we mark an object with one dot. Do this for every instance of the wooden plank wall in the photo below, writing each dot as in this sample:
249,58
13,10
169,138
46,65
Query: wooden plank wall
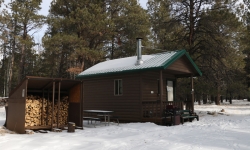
99,94
18,92
75,112
182,65
16,110
150,83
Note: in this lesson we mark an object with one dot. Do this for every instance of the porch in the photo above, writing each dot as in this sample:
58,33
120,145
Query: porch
152,111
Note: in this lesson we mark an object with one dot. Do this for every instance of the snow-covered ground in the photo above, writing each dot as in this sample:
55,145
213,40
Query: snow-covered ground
228,131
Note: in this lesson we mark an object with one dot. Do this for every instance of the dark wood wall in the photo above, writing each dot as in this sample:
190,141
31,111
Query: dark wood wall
16,110
181,66
137,87
75,109
150,83
99,94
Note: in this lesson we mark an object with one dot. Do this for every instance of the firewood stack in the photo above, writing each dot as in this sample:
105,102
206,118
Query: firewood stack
39,111
62,110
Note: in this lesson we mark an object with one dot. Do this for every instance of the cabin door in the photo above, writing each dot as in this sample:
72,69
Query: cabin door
170,90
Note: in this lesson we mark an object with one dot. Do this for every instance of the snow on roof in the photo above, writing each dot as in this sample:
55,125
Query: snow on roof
117,63
128,63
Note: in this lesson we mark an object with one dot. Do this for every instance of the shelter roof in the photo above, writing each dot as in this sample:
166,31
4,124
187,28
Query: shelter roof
44,83
158,61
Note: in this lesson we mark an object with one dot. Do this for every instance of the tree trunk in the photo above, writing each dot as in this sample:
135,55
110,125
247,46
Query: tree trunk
217,98
191,27
204,96
226,95
10,67
212,98
21,65
198,98
230,99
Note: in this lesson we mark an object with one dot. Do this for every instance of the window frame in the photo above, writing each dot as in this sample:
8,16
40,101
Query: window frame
118,88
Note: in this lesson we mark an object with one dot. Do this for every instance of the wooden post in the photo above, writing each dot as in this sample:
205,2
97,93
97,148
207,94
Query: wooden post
58,104
53,103
42,109
81,104
161,91
192,93
47,110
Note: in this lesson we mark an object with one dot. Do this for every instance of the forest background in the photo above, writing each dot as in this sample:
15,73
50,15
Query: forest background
80,34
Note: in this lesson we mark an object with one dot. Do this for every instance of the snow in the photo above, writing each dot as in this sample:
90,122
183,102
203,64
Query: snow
223,131
117,63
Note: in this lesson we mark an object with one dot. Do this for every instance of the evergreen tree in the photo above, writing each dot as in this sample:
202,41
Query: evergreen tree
220,55
26,20
208,30
164,28
83,33
75,35
128,22
17,26
245,42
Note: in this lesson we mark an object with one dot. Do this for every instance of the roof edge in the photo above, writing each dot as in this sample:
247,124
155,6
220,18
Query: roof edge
115,73
175,57
192,62
180,54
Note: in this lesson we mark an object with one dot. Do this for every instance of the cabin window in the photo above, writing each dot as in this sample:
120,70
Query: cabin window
118,87
170,90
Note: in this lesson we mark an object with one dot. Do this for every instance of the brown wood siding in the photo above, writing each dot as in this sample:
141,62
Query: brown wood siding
99,94
150,83
19,91
75,113
182,65
16,115
16,109
75,93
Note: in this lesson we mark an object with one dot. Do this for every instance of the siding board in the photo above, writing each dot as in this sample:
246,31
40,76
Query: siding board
99,94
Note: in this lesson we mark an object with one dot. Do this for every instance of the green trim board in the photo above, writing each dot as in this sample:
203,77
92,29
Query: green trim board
160,61
195,66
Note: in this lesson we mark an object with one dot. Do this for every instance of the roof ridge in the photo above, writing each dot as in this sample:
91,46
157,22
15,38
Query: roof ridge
167,52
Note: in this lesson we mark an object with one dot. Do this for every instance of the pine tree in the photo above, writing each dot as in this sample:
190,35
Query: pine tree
245,43
26,21
208,30
18,23
219,39
75,35
83,33
164,29
128,22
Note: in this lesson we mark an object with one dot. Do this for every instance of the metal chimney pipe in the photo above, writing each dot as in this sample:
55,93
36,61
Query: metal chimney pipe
139,57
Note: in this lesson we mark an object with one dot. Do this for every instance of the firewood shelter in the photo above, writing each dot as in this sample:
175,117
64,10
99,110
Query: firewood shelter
44,103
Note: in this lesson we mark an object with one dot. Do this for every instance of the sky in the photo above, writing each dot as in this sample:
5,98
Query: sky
228,130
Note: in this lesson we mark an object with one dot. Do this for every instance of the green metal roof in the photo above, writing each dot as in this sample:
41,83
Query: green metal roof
150,62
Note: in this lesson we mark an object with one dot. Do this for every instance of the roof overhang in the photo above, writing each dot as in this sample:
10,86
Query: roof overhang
42,83
163,66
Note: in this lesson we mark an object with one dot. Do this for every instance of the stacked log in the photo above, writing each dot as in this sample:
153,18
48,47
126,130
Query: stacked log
59,108
39,111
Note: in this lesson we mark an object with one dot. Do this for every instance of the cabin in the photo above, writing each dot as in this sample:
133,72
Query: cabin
134,86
